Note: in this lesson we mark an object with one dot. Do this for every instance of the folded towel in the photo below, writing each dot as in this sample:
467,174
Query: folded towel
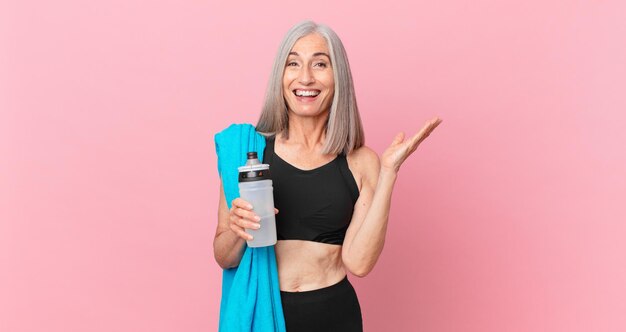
250,292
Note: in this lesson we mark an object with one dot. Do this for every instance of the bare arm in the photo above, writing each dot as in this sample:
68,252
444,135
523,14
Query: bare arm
230,237
365,237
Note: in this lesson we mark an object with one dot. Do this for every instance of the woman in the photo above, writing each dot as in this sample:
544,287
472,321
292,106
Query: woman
333,192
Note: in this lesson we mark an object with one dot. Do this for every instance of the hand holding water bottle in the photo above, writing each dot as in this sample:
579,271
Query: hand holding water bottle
255,188
242,217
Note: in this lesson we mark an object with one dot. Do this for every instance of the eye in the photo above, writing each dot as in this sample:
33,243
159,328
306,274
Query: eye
321,64
292,63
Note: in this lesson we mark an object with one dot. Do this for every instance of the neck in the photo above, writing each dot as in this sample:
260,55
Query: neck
308,132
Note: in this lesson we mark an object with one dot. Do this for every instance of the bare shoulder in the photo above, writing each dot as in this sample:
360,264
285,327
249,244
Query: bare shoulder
364,164
364,157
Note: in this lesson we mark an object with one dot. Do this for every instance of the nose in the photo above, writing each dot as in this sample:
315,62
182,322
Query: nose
305,76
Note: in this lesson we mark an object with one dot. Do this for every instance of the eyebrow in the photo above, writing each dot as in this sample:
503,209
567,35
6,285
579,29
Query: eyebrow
314,54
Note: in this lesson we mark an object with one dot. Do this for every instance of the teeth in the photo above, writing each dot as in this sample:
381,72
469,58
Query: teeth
304,93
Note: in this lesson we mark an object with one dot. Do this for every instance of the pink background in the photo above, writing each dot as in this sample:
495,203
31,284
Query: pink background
510,217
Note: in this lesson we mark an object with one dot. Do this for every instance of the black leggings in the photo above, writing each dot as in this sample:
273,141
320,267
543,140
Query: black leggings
328,309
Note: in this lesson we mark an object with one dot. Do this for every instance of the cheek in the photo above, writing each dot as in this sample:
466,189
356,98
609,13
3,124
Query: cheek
331,87
286,89
286,81
289,75
330,81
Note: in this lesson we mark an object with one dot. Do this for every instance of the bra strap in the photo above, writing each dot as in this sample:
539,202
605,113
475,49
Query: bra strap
347,176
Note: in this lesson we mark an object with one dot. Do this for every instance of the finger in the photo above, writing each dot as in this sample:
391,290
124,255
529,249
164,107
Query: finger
431,127
248,215
245,236
244,223
241,233
398,138
250,224
417,138
425,131
275,211
241,203
433,124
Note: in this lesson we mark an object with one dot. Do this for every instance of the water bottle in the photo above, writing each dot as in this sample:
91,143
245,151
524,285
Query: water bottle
255,186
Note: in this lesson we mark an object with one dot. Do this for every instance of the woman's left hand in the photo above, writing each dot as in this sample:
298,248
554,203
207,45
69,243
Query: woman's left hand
401,149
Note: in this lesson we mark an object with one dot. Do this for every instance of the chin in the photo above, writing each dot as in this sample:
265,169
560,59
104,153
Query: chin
307,111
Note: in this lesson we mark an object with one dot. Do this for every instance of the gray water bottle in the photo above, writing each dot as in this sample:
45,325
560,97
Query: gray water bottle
255,186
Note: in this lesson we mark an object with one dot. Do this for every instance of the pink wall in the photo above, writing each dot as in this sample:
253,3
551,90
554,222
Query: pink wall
507,218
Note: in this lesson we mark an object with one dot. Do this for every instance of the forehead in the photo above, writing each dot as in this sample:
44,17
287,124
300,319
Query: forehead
310,44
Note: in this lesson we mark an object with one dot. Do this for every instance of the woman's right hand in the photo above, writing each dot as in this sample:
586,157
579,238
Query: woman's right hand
242,216
230,232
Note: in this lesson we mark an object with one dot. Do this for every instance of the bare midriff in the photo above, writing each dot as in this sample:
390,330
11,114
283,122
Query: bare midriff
307,265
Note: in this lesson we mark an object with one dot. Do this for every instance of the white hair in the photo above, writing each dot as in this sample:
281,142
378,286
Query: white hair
344,131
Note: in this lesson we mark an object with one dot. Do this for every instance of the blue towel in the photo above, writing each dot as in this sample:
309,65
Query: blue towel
250,292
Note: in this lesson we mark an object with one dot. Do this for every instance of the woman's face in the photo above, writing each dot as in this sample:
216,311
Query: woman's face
308,81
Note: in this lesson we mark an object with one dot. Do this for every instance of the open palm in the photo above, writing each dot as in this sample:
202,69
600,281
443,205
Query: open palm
400,149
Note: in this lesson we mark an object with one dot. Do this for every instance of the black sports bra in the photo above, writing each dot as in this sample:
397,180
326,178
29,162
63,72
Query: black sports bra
314,205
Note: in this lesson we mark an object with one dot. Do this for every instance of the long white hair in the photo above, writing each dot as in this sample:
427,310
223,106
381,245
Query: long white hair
344,131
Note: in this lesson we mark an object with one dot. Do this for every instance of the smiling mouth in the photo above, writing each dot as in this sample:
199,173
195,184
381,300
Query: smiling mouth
306,93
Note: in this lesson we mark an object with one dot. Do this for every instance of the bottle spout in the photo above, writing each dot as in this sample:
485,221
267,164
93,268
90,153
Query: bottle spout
253,159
